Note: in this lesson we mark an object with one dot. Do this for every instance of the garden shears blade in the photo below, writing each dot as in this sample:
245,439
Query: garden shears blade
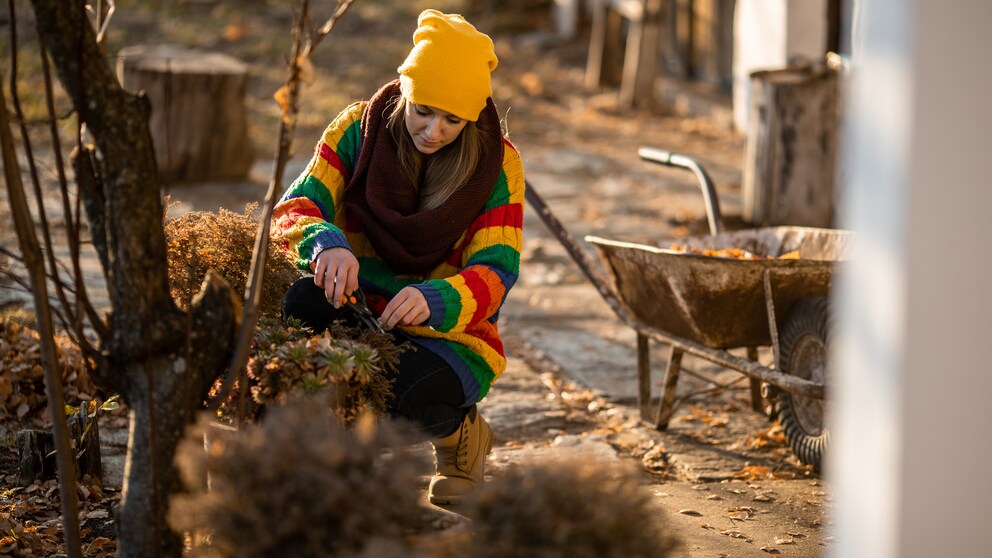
356,302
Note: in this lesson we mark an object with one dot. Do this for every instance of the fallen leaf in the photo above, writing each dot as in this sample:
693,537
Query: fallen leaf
754,472
771,550
784,541
736,534
690,512
714,497
763,498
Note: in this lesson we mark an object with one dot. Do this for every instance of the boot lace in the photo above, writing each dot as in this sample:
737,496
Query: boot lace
459,455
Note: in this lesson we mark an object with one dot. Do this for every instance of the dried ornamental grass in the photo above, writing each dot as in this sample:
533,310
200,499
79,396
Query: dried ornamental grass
574,509
223,241
299,484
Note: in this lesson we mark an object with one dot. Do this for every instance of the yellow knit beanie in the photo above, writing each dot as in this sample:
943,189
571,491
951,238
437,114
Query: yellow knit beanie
449,65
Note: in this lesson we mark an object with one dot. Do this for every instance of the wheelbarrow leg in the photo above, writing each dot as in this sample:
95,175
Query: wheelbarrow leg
667,405
643,377
757,402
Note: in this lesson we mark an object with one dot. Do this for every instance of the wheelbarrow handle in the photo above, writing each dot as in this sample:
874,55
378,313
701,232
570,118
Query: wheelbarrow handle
710,198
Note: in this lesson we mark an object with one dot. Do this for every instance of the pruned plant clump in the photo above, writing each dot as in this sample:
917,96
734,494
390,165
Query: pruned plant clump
289,360
223,241
574,509
299,483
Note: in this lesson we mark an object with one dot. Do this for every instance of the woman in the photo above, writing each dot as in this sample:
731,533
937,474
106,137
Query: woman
417,198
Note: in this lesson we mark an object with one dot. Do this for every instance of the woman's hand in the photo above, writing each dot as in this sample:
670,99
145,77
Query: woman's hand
408,307
336,271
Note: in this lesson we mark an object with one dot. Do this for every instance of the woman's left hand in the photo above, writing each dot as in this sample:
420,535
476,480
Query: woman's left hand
408,307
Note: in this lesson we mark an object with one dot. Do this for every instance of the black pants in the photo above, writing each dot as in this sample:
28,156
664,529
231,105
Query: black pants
426,390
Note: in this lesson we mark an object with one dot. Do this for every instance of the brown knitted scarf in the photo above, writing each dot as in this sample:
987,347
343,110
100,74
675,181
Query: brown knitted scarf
385,202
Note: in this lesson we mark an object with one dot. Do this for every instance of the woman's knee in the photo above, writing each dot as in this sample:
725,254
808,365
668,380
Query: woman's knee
305,301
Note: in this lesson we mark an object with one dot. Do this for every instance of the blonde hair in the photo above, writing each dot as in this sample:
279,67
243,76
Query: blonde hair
447,170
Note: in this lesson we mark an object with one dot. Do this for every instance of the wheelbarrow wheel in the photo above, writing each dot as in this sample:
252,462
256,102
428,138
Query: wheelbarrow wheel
803,347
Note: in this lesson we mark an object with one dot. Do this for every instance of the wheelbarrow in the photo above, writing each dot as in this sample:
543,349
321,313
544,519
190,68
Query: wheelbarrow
705,305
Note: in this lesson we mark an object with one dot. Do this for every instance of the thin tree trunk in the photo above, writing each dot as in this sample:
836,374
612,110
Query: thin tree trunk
53,380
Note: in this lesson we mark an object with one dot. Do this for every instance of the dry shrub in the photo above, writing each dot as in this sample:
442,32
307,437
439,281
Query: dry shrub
22,374
223,241
289,360
300,484
574,508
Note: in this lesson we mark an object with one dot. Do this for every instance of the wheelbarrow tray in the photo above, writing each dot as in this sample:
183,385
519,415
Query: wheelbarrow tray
716,301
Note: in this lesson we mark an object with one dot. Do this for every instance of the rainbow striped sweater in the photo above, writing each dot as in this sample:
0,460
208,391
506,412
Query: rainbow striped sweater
464,293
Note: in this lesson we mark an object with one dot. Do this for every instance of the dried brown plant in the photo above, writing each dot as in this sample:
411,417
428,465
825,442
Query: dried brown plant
299,484
222,241
573,508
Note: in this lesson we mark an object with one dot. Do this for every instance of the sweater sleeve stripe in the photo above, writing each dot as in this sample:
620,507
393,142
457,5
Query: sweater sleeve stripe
504,215
295,209
504,256
317,236
501,192
314,190
479,281
332,159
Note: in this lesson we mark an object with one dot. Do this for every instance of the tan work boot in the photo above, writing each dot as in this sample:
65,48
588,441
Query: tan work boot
460,459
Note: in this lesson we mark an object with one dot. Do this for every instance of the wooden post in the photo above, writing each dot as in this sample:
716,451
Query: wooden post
605,56
640,66
666,408
757,402
790,158
198,120
643,376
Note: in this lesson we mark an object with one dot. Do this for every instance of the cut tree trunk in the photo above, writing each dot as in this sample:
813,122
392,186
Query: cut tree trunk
36,457
198,119
790,160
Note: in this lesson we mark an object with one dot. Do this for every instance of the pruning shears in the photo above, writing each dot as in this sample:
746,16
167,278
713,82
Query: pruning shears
356,302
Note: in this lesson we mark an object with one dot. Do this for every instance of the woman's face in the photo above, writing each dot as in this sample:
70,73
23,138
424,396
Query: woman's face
431,128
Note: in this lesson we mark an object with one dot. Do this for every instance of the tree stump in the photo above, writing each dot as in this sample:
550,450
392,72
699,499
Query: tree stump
36,451
198,120
791,153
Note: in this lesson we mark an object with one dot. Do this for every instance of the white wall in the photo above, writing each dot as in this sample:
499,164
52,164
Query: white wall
911,402
766,34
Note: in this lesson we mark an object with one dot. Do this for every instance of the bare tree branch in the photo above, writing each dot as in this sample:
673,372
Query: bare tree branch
33,169
325,29
71,215
91,191
53,383
287,126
